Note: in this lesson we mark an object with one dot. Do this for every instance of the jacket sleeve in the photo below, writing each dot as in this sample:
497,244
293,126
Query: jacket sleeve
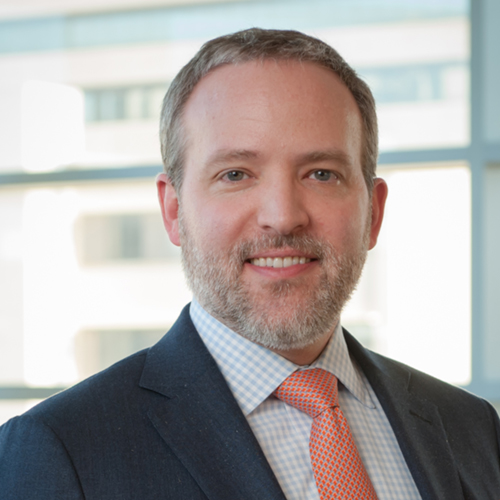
34,464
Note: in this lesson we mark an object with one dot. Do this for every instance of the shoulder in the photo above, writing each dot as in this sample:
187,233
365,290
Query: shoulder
393,379
80,414
34,463
41,451
431,389
114,387
69,437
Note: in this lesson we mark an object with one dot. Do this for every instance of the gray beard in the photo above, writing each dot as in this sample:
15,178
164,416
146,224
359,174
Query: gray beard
216,282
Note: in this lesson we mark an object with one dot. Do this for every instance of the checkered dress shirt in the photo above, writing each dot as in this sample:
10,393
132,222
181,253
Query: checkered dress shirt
253,373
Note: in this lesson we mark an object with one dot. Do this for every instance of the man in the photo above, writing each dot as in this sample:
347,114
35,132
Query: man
269,141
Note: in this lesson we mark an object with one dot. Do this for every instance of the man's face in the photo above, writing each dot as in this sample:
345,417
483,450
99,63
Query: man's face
274,217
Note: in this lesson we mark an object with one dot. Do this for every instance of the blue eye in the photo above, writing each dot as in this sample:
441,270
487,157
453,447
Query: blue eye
322,175
235,175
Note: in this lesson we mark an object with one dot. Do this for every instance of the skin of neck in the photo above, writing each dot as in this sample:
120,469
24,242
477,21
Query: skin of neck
308,354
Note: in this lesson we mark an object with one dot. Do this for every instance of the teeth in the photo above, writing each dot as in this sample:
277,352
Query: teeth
279,261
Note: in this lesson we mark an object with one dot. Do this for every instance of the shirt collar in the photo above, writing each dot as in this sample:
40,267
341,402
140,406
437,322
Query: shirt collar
253,372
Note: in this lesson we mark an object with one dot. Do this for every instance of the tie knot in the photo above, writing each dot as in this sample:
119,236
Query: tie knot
311,391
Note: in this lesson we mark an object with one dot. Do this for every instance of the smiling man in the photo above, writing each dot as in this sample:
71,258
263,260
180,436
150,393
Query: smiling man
273,163
269,141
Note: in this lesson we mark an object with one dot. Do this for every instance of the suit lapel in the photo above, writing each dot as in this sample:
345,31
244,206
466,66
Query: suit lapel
201,421
416,424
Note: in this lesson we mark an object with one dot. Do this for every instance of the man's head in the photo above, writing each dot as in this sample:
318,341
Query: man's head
258,45
275,214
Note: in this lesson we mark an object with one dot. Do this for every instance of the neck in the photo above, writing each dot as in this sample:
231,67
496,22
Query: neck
306,355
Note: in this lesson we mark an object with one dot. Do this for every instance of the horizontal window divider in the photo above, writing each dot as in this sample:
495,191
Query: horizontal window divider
492,152
489,390
95,174
25,392
424,156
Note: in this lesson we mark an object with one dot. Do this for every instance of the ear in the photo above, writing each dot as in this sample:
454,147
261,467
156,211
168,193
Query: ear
379,196
169,203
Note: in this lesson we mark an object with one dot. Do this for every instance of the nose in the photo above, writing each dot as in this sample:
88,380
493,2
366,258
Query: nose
282,208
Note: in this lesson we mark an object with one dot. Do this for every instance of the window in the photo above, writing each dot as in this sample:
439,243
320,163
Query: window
84,260
106,238
95,350
142,102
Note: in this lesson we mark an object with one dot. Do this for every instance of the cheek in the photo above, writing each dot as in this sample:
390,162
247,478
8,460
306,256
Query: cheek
343,226
215,225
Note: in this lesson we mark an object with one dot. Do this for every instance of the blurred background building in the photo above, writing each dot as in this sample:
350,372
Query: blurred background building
87,274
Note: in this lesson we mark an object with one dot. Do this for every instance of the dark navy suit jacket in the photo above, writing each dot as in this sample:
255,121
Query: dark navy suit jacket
163,424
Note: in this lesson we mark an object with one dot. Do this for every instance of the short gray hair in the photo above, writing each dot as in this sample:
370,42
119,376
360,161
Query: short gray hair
260,44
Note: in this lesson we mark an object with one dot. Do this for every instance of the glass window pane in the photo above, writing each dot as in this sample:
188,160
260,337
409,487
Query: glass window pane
111,104
91,266
75,259
415,55
135,106
154,101
91,106
11,407
419,73
491,346
413,303
95,350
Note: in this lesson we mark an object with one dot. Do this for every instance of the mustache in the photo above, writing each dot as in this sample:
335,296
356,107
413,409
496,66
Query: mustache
315,247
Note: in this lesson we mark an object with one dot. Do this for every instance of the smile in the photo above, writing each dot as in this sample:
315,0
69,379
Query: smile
279,261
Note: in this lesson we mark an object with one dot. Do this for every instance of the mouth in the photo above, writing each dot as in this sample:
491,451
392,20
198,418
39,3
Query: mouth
279,262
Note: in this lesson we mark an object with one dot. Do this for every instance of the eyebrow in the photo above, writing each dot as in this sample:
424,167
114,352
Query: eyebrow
329,155
227,156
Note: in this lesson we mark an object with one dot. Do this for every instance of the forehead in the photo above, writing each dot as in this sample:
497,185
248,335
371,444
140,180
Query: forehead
253,103
291,76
